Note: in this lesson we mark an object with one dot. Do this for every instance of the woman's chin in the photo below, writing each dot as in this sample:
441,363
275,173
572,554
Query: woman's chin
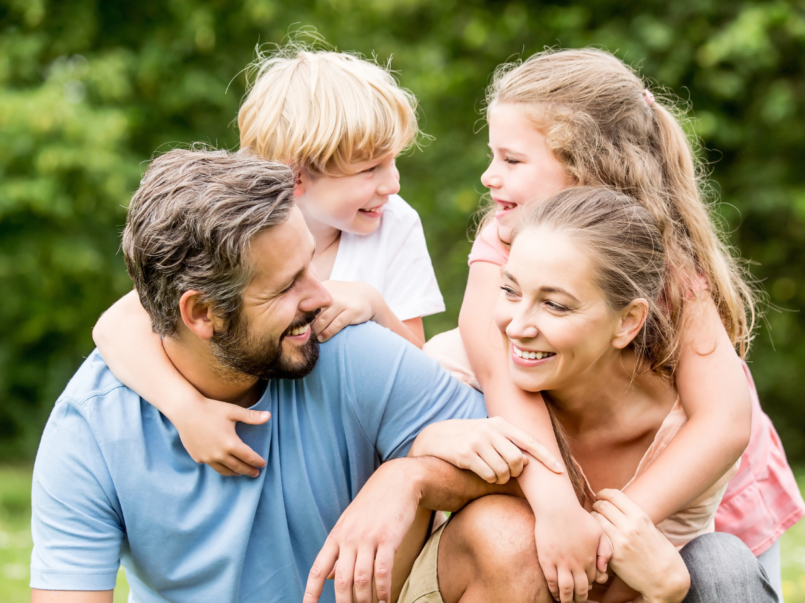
526,382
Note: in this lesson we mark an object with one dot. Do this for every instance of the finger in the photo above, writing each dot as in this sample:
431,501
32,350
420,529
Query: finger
336,326
532,446
552,580
582,586
566,585
239,467
480,468
247,455
615,516
325,317
247,415
322,566
344,574
604,553
384,564
514,458
610,530
364,570
491,457
222,469
622,501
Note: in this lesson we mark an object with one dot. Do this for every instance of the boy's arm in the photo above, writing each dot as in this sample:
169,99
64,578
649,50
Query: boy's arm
355,303
568,536
715,394
135,355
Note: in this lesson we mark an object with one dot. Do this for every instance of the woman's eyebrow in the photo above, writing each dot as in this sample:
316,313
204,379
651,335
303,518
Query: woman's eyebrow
558,290
506,274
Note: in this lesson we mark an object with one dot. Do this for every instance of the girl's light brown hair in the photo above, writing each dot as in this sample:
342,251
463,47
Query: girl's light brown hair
601,123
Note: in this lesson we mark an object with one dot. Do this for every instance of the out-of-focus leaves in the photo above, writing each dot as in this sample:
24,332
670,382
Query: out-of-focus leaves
90,89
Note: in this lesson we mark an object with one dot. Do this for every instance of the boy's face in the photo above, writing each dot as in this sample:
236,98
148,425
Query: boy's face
352,203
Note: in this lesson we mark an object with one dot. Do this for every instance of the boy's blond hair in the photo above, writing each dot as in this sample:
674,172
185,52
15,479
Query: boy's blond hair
325,111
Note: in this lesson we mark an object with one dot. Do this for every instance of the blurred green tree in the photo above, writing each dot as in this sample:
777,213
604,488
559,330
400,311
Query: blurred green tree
90,89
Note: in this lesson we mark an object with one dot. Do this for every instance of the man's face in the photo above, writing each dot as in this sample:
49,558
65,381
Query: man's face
270,337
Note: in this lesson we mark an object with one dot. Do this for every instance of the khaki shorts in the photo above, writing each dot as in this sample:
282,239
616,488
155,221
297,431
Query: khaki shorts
422,585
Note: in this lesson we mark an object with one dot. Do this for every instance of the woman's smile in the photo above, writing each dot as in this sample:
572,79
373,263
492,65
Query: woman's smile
529,358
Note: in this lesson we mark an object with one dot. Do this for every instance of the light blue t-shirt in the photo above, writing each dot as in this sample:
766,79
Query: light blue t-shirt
113,483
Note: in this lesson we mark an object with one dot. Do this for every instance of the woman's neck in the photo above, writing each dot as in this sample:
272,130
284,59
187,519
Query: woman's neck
608,392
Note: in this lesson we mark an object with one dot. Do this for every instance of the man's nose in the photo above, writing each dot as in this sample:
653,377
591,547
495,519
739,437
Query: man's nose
316,297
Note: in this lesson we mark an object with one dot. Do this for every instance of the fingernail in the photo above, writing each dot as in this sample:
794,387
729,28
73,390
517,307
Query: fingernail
265,415
558,466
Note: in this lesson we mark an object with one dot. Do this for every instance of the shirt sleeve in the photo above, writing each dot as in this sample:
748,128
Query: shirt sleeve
410,287
76,521
488,248
397,390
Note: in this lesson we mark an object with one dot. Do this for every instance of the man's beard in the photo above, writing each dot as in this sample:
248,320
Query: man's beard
259,355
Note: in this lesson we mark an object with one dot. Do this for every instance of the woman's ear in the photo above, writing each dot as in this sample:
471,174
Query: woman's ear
197,316
631,320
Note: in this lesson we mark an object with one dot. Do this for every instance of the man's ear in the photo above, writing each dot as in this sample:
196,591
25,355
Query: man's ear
198,317
632,318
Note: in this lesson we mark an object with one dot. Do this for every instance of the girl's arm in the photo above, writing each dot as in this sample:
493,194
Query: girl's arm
135,355
355,303
567,535
715,394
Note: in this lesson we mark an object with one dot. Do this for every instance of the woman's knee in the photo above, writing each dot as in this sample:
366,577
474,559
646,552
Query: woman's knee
722,568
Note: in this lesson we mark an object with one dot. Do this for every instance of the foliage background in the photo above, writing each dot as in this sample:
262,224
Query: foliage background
89,89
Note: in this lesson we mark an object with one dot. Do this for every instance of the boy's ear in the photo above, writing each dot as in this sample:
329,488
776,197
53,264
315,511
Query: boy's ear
302,179
198,317
632,318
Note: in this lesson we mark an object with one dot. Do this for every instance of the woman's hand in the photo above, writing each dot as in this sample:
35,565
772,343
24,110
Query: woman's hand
490,448
643,558
353,304
207,431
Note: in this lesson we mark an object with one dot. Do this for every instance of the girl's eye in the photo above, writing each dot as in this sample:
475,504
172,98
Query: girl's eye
511,161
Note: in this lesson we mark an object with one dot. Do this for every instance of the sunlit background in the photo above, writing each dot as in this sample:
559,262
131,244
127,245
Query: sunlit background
89,90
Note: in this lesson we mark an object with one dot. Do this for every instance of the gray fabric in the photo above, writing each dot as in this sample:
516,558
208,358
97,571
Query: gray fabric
724,570
770,560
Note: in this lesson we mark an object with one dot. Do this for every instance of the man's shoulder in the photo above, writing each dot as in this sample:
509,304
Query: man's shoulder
94,385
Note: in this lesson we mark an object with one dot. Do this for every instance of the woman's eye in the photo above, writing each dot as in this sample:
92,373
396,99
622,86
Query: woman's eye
556,307
508,291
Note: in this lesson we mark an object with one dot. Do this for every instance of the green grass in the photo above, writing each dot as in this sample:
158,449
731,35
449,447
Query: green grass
15,543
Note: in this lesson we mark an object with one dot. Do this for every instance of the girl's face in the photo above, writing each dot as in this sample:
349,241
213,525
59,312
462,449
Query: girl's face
523,169
556,321
351,203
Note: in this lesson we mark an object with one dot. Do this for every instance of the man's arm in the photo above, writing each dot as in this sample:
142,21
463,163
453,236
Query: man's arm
371,529
71,596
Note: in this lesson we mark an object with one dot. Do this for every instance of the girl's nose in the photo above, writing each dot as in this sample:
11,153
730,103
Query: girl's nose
490,179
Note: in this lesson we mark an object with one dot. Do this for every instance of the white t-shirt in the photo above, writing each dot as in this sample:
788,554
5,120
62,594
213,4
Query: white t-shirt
394,260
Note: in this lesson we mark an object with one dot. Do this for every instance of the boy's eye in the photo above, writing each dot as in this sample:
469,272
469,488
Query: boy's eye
369,170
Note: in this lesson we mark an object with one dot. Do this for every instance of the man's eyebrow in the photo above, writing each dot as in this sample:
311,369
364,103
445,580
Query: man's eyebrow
299,273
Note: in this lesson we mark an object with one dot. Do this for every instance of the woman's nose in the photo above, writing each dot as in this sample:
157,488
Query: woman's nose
521,327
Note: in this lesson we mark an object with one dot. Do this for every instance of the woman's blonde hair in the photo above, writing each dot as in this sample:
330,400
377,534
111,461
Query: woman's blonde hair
606,127
324,111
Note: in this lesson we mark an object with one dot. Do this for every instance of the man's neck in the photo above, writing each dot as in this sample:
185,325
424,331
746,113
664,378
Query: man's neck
192,358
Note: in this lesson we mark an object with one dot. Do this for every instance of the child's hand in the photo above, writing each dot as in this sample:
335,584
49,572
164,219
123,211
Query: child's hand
208,434
490,448
643,557
353,304
573,552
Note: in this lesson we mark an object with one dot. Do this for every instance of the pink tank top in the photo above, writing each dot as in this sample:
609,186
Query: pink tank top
762,500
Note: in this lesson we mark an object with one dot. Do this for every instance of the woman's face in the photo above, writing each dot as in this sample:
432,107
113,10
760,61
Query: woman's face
556,321
522,167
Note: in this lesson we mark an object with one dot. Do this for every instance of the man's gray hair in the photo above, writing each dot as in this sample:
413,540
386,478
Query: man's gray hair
189,226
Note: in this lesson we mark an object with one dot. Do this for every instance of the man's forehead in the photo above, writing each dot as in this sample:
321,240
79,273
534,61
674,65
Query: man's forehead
280,252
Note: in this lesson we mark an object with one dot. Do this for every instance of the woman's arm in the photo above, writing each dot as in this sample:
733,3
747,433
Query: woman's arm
567,536
135,355
715,395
